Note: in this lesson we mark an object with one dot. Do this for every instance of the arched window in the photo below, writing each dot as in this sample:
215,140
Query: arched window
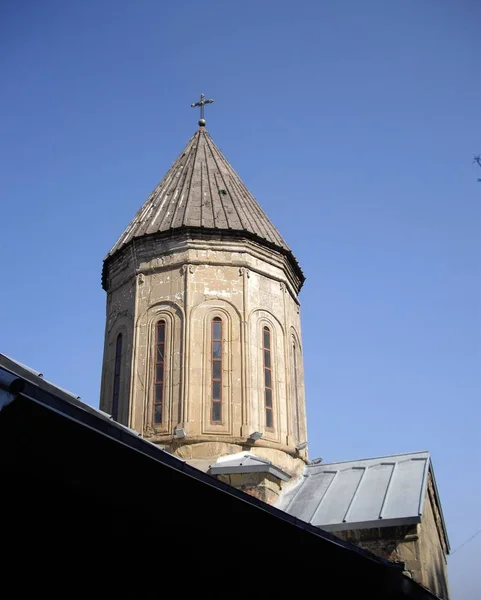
216,415
159,372
268,392
116,389
295,394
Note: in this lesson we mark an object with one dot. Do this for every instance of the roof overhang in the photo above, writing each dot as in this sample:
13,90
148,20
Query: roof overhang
200,232
93,504
379,523
245,463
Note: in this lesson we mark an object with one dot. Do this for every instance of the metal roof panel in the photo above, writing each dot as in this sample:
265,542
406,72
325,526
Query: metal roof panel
373,492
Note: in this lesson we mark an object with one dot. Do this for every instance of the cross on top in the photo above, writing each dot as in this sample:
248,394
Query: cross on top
201,103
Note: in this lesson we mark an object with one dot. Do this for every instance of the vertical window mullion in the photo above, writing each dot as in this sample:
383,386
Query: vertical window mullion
159,371
216,367
268,386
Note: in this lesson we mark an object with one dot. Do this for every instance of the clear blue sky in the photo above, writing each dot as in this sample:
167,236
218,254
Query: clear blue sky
353,123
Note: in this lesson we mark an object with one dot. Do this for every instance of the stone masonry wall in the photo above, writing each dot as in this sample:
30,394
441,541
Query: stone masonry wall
188,283
263,486
420,547
432,546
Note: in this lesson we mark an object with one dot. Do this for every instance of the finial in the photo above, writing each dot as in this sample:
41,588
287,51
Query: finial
202,102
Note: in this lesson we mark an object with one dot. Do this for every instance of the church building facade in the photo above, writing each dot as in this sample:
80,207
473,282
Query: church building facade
203,349
203,357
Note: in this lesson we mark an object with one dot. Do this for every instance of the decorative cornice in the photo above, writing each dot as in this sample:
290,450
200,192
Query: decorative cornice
188,252
226,438
191,236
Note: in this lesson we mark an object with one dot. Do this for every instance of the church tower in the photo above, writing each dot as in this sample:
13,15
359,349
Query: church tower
203,352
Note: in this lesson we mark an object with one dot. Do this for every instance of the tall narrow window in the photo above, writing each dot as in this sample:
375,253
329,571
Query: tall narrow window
266,337
159,373
296,390
216,415
117,365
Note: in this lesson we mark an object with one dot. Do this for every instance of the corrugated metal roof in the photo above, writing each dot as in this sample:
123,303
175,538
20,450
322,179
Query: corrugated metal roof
375,492
201,190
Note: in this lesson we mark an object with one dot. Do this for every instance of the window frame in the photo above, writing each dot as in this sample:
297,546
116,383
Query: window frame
295,380
117,374
267,373
216,403
160,325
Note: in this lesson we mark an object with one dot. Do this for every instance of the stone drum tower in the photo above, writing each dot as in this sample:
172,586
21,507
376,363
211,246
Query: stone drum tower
203,352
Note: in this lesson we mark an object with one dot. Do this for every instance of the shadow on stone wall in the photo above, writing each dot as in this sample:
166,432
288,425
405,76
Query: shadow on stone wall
436,580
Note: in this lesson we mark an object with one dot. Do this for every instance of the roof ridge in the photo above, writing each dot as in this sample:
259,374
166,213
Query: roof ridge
187,200
340,462
210,141
234,184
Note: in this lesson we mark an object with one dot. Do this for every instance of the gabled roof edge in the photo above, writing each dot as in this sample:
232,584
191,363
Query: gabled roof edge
439,506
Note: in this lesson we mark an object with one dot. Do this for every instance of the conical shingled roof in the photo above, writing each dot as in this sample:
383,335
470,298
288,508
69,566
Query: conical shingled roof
202,191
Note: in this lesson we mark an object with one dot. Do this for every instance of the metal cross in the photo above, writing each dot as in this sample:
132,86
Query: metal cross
202,102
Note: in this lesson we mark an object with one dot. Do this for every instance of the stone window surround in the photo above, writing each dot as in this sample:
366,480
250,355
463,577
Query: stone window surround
267,351
216,360
120,328
161,325
264,319
161,312
297,403
117,376
228,318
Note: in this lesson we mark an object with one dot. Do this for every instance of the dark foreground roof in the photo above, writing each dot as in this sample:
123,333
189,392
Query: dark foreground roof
98,508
